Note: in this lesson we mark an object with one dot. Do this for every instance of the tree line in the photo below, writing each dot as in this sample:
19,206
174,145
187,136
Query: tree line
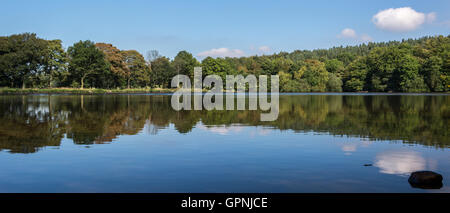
413,65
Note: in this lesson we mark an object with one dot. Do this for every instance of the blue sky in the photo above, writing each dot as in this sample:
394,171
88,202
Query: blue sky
225,28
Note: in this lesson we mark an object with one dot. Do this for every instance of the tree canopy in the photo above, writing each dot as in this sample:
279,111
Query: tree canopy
412,65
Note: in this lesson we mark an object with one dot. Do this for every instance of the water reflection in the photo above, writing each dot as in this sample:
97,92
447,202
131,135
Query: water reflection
221,130
400,162
349,148
28,123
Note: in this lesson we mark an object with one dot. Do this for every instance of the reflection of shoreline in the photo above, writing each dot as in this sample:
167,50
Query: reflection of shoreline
99,119
402,162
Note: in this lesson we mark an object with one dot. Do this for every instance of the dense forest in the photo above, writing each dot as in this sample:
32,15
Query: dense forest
413,65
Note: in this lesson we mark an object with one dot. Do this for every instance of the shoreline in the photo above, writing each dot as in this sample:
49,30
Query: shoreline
73,91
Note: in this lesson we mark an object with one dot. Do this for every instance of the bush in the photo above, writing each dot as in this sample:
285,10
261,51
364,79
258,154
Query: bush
75,85
334,84
295,86
354,85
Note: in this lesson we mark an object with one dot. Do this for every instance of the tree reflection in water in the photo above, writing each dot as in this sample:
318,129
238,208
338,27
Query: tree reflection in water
28,123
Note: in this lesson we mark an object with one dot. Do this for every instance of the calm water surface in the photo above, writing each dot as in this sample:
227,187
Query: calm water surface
137,143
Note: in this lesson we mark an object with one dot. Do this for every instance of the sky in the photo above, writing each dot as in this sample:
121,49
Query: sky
225,28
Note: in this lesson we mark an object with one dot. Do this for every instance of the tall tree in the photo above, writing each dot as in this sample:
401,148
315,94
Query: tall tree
355,75
335,66
184,63
56,62
118,67
394,69
215,66
86,60
5,69
162,72
315,74
22,56
410,80
139,71
432,72
445,74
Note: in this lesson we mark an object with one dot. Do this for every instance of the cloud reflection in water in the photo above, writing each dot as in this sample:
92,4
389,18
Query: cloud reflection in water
401,162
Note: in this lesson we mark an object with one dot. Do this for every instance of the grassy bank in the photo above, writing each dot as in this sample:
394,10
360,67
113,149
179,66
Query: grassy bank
81,91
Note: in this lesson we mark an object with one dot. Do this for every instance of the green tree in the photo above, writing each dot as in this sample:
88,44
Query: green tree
346,57
284,78
355,75
382,65
56,63
215,66
395,69
184,63
22,57
334,83
139,71
162,72
410,80
315,74
4,49
86,60
335,66
432,72
281,65
445,74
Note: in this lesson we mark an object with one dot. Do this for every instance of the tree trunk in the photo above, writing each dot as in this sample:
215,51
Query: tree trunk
82,81
23,83
128,83
50,82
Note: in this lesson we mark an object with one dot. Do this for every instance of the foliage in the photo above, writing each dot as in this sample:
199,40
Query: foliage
97,119
412,65
22,57
184,63
119,72
162,72
87,61
139,72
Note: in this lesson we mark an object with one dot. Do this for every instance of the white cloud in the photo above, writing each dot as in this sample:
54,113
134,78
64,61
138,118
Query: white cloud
347,33
264,49
222,52
401,19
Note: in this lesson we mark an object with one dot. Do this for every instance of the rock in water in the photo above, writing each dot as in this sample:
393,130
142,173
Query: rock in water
425,180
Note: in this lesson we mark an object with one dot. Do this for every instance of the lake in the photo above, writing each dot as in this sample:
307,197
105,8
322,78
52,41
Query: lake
138,143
